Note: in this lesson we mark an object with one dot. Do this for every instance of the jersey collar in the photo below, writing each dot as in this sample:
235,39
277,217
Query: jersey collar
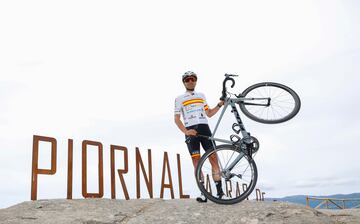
190,92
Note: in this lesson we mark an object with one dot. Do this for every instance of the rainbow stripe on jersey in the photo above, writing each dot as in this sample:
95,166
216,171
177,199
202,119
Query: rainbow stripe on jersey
192,106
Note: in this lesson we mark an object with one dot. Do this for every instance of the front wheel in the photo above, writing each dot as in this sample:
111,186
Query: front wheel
270,103
235,170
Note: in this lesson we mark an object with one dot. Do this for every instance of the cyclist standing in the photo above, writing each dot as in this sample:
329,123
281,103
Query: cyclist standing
193,107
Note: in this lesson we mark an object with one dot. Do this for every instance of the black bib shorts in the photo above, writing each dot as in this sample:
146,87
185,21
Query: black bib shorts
193,142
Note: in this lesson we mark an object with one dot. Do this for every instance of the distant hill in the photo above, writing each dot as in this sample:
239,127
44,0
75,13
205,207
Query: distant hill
301,199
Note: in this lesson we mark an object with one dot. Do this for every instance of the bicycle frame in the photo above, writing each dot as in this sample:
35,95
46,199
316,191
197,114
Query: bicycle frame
232,103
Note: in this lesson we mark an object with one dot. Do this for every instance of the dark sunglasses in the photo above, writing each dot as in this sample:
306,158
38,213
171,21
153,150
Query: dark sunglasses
190,79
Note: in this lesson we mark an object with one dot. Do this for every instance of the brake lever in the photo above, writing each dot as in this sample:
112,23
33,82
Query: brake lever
223,96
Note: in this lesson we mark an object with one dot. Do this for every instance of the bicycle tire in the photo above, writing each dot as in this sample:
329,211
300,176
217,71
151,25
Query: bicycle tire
246,159
264,90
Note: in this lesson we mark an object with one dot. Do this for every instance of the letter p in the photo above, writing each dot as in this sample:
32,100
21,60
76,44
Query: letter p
35,160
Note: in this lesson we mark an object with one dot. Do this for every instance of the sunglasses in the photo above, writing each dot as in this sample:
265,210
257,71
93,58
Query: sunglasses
190,79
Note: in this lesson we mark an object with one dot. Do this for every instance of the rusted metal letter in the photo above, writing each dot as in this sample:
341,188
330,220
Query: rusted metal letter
228,189
120,171
237,189
85,194
244,186
163,185
180,179
70,169
208,185
148,181
258,195
35,162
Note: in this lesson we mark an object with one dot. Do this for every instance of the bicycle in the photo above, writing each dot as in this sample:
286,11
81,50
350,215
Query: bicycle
265,102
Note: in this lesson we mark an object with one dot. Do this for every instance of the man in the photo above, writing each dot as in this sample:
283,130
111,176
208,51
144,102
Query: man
193,108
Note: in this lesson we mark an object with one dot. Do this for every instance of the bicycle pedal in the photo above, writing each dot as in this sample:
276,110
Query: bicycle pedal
235,139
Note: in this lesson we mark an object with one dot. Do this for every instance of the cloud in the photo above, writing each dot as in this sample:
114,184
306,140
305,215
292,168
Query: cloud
322,182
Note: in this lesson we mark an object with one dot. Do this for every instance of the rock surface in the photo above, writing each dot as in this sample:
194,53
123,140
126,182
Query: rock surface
106,211
349,216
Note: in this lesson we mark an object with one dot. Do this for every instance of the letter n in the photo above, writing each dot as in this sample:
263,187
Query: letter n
148,180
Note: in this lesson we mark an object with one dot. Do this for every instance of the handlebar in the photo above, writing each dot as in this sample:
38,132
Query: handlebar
227,78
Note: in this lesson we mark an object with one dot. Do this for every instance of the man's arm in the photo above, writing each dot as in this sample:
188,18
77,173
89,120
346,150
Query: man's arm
181,126
179,123
213,111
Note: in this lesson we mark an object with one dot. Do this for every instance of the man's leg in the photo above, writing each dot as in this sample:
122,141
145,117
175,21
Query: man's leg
208,145
194,149
215,167
195,159
216,174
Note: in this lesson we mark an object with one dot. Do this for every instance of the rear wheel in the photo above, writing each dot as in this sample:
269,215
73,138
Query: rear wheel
270,103
236,184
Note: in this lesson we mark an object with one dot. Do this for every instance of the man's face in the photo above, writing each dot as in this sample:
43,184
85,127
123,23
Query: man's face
190,82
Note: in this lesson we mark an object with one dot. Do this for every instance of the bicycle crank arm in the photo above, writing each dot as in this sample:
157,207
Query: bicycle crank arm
233,175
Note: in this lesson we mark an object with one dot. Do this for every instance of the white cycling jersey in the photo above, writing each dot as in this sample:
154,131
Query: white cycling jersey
192,106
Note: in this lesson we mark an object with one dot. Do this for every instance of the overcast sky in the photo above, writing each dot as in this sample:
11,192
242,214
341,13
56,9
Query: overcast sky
109,71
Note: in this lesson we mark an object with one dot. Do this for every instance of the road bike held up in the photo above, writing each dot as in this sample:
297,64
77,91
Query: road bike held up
233,162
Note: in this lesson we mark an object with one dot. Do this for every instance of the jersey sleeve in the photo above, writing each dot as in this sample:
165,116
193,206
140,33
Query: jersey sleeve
206,106
177,109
